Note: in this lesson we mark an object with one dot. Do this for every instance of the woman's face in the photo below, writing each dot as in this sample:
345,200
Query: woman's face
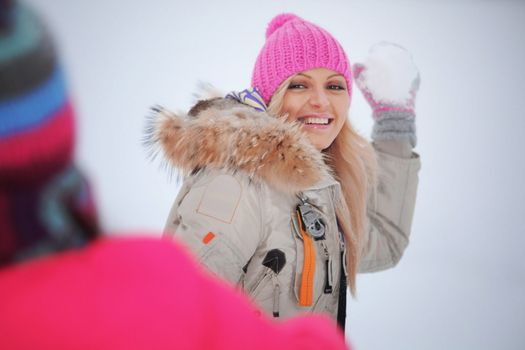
318,99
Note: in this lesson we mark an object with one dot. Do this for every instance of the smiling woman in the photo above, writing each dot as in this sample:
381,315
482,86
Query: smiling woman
282,200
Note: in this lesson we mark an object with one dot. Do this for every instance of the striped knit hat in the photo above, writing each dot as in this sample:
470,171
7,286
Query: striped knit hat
36,116
294,45
45,203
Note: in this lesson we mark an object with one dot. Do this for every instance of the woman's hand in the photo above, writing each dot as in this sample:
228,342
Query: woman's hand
389,80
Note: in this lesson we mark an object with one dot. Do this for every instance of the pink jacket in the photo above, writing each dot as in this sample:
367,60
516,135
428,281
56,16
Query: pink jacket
139,294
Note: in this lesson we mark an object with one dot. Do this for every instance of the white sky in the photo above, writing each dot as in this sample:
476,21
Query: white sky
461,283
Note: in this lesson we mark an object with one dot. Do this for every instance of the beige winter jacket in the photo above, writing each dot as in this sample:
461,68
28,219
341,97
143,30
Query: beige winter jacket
237,207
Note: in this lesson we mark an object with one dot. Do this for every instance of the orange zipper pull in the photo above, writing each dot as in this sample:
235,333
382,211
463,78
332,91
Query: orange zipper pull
307,279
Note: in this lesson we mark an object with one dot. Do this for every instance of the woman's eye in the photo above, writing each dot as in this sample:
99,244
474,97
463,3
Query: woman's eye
296,86
336,87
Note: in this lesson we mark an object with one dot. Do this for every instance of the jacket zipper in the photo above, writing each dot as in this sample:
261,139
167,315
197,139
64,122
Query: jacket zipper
307,278
343,255
276,293
328,284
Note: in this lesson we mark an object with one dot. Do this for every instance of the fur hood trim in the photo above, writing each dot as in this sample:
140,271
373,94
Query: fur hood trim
223,134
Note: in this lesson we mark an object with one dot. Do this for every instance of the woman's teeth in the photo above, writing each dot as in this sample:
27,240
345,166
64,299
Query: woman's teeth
321,121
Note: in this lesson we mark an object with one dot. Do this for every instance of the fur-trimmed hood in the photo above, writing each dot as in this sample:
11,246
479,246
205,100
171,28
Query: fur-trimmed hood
222,133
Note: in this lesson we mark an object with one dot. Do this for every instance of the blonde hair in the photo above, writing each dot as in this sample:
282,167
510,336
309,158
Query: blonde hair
353,162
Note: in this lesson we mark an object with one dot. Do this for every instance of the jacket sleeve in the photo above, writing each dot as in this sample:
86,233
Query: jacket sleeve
390,211
218,216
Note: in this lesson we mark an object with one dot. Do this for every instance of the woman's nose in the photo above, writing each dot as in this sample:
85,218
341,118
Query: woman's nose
319,99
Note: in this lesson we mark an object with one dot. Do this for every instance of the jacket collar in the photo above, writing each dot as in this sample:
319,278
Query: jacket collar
224,134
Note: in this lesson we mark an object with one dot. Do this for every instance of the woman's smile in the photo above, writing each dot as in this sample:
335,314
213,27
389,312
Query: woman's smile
316,121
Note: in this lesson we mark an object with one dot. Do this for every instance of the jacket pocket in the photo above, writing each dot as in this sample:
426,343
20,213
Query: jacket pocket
262,287
265,291
223,258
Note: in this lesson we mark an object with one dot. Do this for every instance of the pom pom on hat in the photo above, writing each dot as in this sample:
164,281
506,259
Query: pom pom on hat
278,22
294,45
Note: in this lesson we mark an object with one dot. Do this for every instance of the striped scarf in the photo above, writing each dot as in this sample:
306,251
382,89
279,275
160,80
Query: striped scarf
250,97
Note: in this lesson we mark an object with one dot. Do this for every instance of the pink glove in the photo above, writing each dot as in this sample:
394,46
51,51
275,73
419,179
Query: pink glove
389,81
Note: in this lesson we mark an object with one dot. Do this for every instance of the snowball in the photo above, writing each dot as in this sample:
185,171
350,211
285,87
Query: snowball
390,73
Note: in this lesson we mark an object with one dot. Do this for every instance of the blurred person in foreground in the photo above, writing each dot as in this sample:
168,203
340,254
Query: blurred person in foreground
45,202
62,284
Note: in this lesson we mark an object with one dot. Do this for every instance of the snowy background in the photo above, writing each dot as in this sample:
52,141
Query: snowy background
461,283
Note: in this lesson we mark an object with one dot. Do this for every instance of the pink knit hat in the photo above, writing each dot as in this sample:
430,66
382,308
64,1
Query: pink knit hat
294,45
